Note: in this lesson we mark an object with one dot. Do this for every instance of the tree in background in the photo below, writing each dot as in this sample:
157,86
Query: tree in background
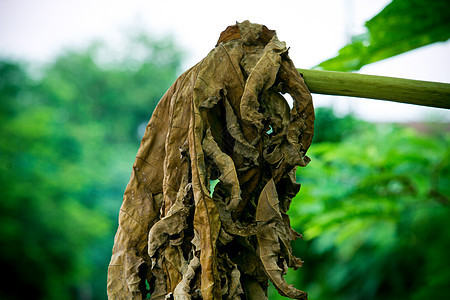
67,143
372,210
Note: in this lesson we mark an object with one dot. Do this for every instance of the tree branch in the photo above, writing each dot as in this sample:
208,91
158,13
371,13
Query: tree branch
426,93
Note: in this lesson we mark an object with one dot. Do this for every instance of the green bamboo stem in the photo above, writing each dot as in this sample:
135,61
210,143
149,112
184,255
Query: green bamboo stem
426,93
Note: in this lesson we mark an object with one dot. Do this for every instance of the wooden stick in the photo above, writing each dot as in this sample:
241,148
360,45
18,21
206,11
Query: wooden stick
427,93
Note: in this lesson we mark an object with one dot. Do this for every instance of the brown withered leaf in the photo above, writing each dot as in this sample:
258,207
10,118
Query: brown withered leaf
224,120
269,239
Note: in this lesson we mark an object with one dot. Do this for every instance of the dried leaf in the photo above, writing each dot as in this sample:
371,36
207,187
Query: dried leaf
175,234
183,291
269,240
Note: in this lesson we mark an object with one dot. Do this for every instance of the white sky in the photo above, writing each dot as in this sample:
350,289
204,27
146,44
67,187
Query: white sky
37,30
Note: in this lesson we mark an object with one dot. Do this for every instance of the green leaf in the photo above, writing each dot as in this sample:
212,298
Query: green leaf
403,25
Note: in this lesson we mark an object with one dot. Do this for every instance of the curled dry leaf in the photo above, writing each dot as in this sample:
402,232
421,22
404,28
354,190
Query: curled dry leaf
224,120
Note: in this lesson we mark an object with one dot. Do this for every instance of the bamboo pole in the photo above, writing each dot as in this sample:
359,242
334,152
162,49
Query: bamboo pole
427,93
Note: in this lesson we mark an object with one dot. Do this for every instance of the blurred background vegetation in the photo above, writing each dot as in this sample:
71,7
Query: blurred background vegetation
373,208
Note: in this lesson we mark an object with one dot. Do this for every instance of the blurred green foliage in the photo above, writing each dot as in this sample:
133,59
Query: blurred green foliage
374,211
401,26
68,141
330,128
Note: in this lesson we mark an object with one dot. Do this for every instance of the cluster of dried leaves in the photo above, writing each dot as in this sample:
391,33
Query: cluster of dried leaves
224,119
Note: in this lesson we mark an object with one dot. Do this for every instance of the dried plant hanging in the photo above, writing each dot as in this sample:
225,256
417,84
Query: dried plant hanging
204,215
